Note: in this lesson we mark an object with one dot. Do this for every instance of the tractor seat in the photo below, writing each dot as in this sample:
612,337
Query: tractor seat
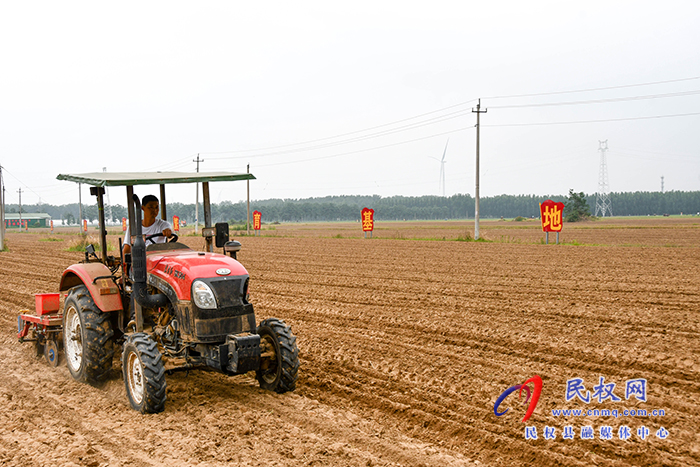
170,246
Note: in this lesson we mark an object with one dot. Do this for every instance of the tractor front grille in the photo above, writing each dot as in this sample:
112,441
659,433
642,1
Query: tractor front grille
233,314
228,291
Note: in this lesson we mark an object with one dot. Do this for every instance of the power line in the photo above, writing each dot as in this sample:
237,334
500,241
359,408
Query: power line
367,149
173,164
462,129
627,152
412,126
594,121
347,153
595,89
21,182
433,120
601,101
351,132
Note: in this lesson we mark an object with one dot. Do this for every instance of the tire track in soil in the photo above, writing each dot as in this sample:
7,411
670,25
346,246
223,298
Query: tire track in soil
81,425
352,381
404,350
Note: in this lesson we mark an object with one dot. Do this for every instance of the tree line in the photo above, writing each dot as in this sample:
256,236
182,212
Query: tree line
347,208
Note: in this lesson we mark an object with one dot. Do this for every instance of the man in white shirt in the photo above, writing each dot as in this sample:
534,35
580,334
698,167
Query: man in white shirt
151,224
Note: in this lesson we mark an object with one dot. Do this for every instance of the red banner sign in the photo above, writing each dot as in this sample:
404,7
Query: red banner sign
123,224
52,226
176,223
367,220
257,220
551,214
84,225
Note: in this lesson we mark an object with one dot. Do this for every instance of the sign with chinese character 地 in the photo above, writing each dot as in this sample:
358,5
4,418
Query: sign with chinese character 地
552,215
176,223
367,220
257,220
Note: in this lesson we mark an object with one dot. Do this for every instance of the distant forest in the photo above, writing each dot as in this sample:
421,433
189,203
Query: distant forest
347,208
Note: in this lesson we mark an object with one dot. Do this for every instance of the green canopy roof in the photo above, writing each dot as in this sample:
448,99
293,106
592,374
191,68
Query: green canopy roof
152,178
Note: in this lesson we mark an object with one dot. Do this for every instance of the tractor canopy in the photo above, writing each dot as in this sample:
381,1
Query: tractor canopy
152,178
99,180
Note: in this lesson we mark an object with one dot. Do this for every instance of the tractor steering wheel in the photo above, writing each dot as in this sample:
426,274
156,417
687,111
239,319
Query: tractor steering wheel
173,237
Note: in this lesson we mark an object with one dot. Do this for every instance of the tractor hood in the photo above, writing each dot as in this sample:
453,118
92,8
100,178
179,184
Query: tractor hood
180,267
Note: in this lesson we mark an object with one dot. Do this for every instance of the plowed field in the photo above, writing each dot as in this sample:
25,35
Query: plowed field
405,344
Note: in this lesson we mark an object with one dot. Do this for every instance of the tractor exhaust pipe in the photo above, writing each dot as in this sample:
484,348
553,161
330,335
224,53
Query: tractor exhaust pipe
138,268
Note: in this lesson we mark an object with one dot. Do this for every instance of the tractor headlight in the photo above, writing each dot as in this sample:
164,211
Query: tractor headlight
203,296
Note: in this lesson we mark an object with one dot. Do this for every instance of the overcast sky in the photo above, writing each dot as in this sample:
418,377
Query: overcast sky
332,98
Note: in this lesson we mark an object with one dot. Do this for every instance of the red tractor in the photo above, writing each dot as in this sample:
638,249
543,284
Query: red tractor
166,304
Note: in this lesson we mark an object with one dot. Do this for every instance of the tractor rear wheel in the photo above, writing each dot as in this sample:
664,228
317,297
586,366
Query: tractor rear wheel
88,338
279,362
144,373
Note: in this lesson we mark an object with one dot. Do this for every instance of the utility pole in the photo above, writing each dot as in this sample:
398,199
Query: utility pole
476,191
196,202
20,209
247,224
2,212
108,210
662,184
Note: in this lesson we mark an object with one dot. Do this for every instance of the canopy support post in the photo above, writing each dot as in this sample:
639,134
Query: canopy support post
207,214
163,213
130,207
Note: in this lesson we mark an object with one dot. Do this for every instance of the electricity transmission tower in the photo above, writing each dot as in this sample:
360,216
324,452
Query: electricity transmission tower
602,199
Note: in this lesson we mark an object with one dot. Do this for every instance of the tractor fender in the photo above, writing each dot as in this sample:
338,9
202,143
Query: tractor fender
104,293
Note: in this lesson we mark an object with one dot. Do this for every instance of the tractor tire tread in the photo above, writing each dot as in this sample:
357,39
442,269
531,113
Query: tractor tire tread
98,348
153,372
290,354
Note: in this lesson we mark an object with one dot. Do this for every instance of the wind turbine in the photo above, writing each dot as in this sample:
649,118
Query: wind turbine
442,167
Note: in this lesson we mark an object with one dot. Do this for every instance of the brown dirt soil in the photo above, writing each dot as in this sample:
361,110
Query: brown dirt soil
405,346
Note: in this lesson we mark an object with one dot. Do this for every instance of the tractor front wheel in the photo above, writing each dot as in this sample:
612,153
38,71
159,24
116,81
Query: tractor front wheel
279,362
144,374
88,338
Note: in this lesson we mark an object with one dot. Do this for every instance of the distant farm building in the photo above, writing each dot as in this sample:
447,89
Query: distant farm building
32,219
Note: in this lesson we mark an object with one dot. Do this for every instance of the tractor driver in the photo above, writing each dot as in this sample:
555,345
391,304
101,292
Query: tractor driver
151,224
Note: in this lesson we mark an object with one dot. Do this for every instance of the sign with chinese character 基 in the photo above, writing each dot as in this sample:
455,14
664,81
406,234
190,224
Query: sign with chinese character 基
367,220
